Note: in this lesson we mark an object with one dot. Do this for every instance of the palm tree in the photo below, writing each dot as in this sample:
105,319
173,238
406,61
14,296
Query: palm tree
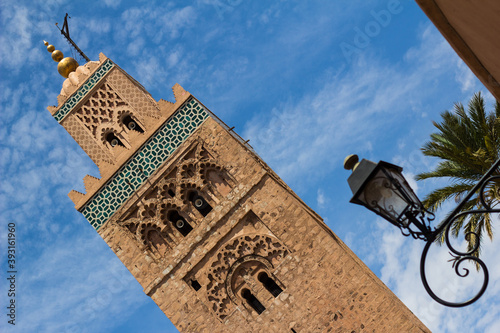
468,143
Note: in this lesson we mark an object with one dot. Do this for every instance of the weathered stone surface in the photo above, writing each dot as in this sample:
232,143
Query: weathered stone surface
325,287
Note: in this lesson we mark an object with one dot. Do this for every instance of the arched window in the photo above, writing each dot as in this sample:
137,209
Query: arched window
157,241
180,223
113,140
270,284
252,301
200,203
219,182
131,124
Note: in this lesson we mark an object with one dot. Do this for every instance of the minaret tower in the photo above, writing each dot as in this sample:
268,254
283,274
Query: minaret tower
213,235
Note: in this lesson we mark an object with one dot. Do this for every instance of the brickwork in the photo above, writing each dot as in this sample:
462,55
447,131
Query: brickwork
213,235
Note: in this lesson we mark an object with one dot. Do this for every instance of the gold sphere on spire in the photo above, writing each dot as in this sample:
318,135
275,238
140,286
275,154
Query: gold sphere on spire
65,65
50,48
57,55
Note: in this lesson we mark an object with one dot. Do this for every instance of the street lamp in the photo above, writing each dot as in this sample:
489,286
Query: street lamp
381,188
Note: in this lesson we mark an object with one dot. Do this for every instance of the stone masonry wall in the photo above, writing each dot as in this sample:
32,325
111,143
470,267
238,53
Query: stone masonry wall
259,225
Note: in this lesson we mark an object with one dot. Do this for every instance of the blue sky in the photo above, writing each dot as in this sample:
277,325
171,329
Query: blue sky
307,82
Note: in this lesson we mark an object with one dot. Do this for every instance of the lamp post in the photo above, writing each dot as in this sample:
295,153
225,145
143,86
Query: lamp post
381,188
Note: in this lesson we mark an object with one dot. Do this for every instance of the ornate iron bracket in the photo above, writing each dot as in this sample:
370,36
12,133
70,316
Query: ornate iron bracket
458,256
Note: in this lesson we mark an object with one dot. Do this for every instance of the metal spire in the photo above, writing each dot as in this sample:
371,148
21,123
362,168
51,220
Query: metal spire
65,33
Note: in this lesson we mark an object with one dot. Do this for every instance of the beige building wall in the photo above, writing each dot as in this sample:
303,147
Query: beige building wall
473,30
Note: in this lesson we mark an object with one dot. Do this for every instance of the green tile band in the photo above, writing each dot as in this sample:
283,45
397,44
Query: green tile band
149,157
83,90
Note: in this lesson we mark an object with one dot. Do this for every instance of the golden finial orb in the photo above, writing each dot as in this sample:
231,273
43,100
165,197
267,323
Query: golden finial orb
50,48
65,65
57,55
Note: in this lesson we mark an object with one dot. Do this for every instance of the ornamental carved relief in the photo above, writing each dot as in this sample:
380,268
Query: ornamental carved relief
148,159
95,151
99,108
265,249
155,222
105,113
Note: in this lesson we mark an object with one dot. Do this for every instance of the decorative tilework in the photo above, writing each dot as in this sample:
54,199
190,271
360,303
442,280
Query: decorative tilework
148,158
83,90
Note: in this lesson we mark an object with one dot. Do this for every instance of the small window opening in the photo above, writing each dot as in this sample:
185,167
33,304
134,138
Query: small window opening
180,223
253,301
195,284
171,193
270,285
132,124
113,140
200,203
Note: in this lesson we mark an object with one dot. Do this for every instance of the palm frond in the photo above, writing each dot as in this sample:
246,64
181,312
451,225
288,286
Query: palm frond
468,143
437,197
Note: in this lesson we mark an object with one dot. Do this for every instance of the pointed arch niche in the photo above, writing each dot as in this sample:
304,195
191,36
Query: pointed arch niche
250,283
233,275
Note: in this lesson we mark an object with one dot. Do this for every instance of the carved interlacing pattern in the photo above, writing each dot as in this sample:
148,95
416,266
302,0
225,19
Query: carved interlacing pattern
99,108
91,146
80,94
138,98
171,194
207,166
264,246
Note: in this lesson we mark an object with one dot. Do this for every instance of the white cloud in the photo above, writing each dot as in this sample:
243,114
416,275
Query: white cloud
98,26
17,38
317,131
136,47
70,298
112,3
465,77
20,26
320,199
401,261
345,111
157,23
